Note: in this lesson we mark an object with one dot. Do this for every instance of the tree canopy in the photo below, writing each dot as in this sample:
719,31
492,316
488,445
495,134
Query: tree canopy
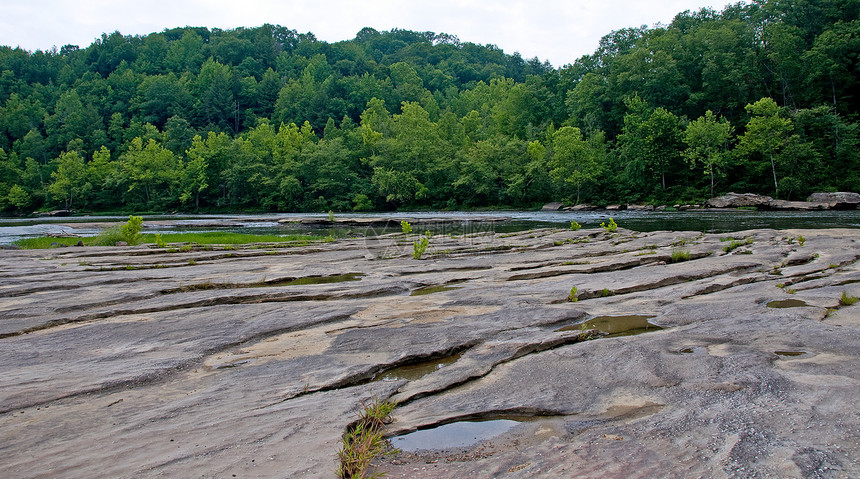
760,97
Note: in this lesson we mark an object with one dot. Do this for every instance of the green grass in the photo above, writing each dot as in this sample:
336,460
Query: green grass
363,441
679,256
737,244
847,300
205,238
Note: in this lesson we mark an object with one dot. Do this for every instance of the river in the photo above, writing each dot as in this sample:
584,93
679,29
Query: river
714,221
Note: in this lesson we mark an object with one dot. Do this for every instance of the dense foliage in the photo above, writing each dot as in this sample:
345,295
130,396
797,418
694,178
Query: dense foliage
760,97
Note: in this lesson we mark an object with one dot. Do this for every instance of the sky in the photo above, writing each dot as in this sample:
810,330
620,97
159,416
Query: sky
556,30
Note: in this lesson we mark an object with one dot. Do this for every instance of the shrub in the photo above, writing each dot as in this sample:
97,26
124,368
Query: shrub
363,441
419,247
406,227
611,227
846,300
679,255
575,226
131,230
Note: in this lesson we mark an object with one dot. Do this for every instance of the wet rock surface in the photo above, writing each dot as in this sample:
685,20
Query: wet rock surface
253,361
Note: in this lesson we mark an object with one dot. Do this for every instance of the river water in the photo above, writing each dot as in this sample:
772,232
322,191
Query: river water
712,221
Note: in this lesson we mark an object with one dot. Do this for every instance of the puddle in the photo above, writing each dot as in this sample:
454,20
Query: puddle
417,371
455,434
338,278
787,303
790,353
449,286
616,325
234,364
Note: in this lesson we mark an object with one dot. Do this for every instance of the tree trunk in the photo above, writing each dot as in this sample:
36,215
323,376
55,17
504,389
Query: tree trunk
773,169
712,180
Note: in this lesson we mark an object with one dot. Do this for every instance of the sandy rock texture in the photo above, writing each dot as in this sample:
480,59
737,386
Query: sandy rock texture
253,361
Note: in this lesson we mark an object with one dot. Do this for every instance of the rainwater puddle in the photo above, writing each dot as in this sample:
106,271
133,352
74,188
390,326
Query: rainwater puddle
455,434
234,364
790,354
436,289
338,278
787,303
417,371
616,325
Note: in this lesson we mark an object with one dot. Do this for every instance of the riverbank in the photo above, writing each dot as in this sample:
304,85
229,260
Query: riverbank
255,360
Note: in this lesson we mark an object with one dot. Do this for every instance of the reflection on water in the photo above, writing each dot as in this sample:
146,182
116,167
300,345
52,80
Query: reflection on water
787,303
714,221
629,325
455,434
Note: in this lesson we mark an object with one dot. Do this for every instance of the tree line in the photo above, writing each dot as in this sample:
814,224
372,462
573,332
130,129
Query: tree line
756,98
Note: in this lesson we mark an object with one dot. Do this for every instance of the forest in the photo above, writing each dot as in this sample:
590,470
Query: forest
760,97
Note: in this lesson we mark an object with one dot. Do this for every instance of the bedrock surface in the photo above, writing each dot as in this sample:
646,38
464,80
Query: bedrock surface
145,362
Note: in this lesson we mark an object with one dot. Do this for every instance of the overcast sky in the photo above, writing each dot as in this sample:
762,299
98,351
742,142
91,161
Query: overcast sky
556,30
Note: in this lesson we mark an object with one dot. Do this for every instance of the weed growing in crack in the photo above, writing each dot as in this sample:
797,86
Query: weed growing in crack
572,296
405,227
679,255
737,244
575,226
611,227
159,241
801,240
363,442
606,293
847,300
419,247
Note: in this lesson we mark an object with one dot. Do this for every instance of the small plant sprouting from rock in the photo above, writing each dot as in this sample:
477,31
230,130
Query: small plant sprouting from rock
363,442
575,226
679,255
736,244
159,241
331,216
131,230
572,296
847,300
406,227
606,292
611,227
419,247
801,240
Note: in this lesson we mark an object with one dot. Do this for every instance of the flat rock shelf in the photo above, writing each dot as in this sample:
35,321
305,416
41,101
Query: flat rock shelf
253,361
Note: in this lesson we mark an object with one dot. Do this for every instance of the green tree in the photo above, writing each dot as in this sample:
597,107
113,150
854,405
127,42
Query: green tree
707,144
150,172
766,133
575,161
18,197
70,178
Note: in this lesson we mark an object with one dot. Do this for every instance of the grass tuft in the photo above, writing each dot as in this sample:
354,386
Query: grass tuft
847,300
363,442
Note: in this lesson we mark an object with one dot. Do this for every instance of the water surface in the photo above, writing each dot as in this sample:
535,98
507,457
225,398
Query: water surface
712,221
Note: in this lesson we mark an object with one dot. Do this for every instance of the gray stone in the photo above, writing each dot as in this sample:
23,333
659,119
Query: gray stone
797,205
738,200
634,207
839,200
581,207
555,206
214,363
